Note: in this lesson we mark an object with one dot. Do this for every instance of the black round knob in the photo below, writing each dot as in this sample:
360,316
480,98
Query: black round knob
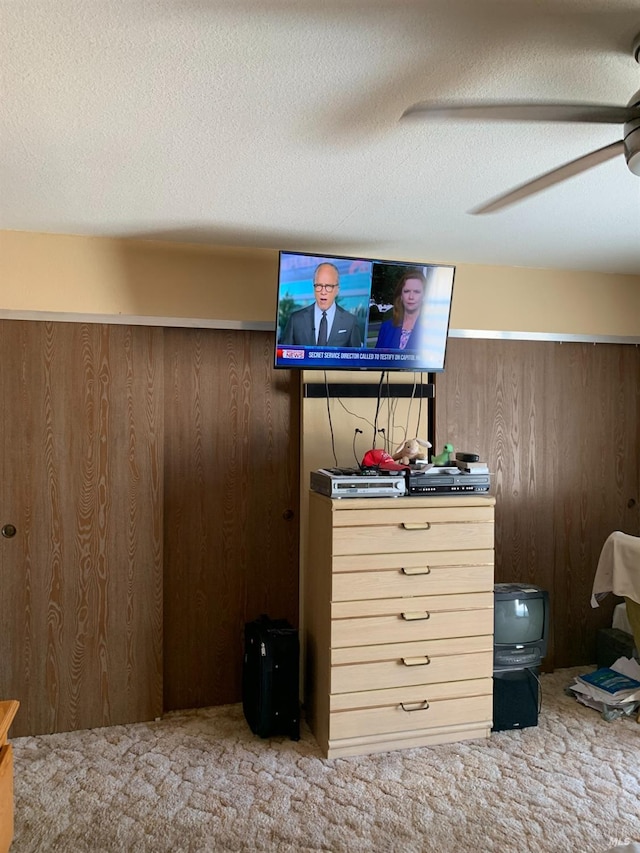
288,514
8,530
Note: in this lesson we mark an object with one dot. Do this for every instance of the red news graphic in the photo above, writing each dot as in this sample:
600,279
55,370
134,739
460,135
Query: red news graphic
290,353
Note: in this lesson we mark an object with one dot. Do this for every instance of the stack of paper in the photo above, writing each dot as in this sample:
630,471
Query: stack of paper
609,688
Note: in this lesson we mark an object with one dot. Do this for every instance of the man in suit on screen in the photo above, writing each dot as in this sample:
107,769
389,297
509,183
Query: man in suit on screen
324,323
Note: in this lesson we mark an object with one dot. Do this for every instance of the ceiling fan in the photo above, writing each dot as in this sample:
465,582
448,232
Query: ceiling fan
628,116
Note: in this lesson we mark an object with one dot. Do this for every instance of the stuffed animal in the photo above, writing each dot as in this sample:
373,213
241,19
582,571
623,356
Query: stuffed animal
444,458
412,449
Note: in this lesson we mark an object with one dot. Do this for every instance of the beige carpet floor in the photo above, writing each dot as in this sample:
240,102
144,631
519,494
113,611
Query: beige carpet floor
199,781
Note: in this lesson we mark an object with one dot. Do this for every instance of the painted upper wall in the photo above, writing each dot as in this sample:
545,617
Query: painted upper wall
108,279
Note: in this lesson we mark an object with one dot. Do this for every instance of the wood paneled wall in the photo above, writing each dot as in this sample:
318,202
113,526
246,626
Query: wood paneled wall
559,424
153,479
131,455
231,506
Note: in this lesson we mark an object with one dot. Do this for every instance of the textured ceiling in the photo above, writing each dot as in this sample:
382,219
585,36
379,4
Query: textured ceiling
275,123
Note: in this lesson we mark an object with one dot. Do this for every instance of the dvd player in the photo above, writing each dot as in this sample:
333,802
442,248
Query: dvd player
446,482
356,483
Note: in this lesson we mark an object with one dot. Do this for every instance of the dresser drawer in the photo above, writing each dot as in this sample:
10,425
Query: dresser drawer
360,623
411,581
413,536
434,648
404,669
425,605
381,712
411,511
412,560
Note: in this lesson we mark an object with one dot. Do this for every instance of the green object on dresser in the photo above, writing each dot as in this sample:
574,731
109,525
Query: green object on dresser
444,458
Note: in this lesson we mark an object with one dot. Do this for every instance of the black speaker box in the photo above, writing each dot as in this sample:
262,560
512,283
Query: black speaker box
515,699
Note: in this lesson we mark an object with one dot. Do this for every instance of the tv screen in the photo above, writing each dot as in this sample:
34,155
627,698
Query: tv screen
359,313
519,621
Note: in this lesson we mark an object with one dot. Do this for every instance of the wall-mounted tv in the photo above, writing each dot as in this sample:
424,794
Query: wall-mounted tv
358,313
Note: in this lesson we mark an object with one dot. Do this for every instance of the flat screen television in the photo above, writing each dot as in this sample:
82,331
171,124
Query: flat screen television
378,315
521,625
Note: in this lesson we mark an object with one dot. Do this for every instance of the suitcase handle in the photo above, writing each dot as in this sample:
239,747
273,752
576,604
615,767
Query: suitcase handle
415,615
416,570
421,661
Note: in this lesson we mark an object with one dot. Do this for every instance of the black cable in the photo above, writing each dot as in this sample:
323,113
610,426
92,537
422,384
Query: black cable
340,402
392,441
333,440
355,455
375,420
419,405
391,406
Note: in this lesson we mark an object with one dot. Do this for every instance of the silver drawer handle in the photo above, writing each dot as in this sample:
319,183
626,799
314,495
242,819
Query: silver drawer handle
416,525
422,661
414,615
416,570
420,706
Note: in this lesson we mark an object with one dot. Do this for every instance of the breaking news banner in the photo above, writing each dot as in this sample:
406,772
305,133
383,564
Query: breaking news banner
311,357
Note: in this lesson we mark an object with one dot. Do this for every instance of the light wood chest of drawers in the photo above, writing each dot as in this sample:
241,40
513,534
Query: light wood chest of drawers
398,621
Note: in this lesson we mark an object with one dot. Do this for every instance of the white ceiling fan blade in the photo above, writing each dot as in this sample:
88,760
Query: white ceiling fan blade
574,167
598,113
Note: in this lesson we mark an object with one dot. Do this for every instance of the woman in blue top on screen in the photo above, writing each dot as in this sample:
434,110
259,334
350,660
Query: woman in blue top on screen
404,326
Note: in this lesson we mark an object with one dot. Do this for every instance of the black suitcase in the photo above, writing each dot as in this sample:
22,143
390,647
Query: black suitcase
612,643
270,678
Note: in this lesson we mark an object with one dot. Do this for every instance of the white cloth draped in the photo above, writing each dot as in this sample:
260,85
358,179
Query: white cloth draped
618,568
